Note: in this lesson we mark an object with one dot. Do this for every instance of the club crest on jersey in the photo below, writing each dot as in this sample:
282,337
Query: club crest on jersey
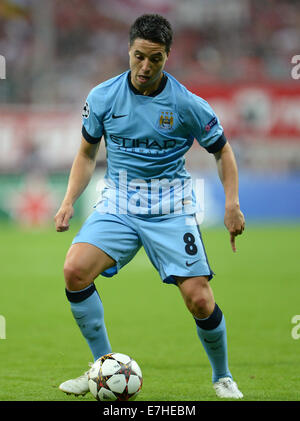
86,110
166,120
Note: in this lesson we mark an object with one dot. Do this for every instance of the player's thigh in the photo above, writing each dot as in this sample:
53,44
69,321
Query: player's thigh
104,244
84,262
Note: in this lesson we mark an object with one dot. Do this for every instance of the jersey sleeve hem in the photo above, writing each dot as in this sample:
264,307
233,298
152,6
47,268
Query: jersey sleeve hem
217,145
88,137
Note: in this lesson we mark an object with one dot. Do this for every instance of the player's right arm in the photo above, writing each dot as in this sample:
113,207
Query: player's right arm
81,172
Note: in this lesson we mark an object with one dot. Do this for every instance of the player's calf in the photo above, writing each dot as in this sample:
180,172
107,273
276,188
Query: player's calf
83,264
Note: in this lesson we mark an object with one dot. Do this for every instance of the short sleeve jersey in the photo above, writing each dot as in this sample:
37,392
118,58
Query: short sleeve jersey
146,138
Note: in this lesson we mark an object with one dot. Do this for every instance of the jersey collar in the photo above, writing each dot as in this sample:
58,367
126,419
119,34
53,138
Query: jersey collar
160,88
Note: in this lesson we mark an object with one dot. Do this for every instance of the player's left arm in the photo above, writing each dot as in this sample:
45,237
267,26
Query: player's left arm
227,168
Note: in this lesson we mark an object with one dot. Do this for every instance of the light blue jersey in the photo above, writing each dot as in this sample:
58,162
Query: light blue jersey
146,138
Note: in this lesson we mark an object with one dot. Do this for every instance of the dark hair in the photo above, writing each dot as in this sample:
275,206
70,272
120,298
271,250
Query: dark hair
153,28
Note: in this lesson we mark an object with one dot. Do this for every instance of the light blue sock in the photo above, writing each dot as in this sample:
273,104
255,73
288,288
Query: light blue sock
88,312
212,334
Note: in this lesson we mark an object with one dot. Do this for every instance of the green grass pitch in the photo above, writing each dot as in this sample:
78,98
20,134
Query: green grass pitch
257,289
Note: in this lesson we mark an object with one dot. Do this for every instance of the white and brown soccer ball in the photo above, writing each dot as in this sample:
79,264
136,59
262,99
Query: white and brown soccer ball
115,377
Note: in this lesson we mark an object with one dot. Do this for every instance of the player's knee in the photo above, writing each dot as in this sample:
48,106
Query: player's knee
75,277
198,304
198,296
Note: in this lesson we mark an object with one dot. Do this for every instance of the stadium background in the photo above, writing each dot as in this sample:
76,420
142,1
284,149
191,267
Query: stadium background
237,57
235,54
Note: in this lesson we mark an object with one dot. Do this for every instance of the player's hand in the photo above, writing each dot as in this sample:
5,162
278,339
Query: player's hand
63,217
235,223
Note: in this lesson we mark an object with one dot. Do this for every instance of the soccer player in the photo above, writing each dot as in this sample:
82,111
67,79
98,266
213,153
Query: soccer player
149,121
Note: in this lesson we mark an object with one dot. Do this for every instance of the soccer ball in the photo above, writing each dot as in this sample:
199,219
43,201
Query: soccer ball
115,377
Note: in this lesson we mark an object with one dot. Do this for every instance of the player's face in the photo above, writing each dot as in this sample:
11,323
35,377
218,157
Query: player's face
146,60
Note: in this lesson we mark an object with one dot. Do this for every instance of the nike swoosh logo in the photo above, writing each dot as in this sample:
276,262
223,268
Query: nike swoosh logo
191,264
119,116
212,342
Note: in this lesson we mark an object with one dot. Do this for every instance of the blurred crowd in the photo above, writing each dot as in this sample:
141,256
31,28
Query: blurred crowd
56,50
